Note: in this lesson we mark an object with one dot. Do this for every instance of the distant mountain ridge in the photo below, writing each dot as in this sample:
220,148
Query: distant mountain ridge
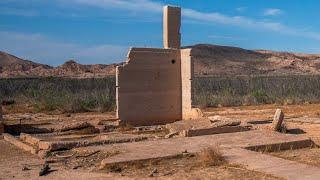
208,60
12,66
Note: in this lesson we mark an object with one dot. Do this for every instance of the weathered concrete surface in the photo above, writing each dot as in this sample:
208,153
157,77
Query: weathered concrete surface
187,74
203,126
170,147
171,27
68,142
272,165
154,85
12,140
213,130
149,87
180,126
277,120
73,126
58,145
153,88
29,139
232,146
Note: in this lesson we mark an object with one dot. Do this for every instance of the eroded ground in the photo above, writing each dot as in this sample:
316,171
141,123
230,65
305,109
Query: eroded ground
13,160
309,156
303,120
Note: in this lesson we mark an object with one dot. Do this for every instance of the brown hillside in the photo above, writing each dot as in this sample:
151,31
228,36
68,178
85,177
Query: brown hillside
223,60
208,60
13,66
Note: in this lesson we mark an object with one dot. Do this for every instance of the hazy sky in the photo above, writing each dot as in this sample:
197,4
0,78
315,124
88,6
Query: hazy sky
101,31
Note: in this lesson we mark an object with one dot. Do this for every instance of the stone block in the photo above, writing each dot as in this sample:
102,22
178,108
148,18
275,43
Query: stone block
12,140
213,130
277,120
29,139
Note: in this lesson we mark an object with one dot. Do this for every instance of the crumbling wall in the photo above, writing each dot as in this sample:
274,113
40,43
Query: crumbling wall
149,87
187,73
154,86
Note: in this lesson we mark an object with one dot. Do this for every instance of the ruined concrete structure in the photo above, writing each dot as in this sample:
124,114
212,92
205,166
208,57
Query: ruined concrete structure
154,85
171,27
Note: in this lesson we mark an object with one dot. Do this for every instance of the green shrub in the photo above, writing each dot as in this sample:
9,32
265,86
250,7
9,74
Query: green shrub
98,94
260,96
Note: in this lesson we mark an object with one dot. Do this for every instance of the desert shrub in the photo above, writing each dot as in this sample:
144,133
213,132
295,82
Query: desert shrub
211,156
63,94
260,96
98,94
252,90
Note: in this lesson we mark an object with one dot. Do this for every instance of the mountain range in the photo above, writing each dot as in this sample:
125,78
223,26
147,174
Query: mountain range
209,59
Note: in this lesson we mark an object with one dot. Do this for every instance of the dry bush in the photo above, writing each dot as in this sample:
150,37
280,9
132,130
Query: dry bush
211,156
98,94
61,94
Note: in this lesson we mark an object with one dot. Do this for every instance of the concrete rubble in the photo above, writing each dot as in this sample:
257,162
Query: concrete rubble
277,120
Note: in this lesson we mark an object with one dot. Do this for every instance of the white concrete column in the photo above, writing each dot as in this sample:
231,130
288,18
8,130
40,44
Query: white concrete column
171,27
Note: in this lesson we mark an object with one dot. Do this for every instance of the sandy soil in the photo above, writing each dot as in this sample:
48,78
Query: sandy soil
13,161
265,112
309,156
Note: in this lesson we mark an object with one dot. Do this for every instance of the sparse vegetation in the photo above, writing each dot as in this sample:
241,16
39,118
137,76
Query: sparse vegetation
252,90
211,156
62,94
98,94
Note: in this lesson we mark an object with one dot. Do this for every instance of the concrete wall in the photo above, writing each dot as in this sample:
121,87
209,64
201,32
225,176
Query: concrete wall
171,27
187,73
154,86
149,87
186,79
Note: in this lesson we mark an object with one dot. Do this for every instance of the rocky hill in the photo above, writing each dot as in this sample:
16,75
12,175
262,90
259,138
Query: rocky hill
209,60
223,60
12,66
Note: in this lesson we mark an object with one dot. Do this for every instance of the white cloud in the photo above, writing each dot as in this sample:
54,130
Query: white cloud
150,6
145,8
132,5
231,20
249,23
272,12
45,50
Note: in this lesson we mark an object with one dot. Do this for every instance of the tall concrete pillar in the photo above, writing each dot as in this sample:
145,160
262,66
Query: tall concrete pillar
171,27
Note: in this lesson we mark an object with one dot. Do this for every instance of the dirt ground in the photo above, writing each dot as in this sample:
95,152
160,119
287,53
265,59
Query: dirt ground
265,112
309,156
17,164
13,160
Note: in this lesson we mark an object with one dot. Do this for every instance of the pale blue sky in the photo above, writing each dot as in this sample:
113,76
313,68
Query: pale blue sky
101,31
